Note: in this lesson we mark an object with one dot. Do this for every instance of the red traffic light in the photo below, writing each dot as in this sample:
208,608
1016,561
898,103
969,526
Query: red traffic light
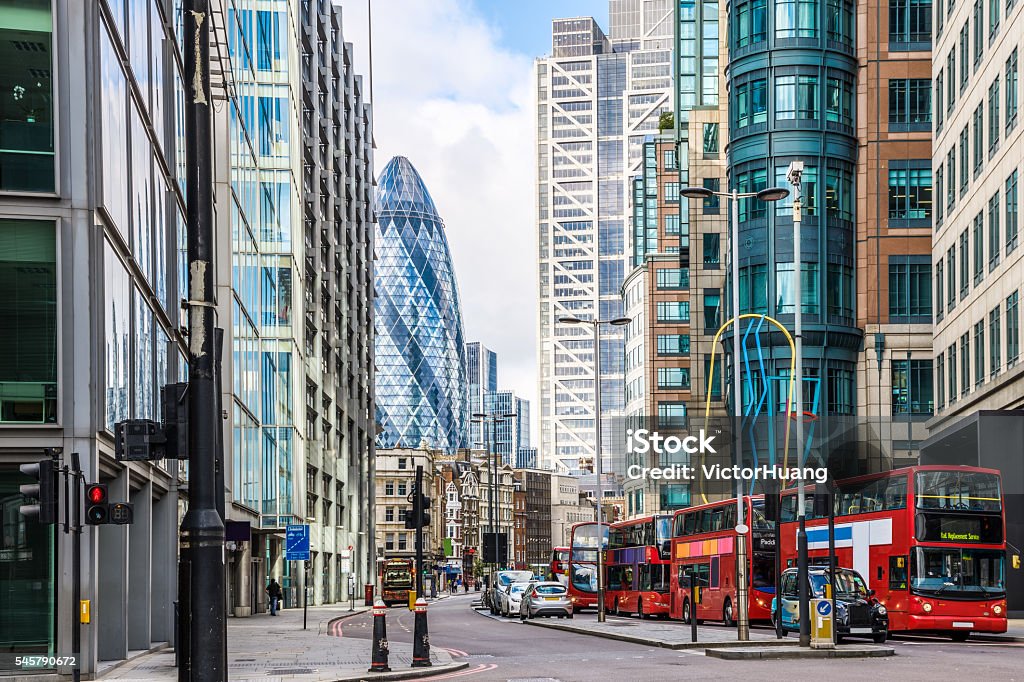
96,493
97,508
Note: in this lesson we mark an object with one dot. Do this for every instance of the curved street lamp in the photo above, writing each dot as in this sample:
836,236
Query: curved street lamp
768,194
596,324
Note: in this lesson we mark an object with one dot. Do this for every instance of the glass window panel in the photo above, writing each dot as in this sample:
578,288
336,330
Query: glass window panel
117,339
28,308
26,96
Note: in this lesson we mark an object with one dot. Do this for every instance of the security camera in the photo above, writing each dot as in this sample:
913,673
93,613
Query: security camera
796,170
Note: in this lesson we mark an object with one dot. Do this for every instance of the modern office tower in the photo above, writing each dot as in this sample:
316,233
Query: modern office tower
91,194
103,204
482,380
657,299
420,349
261,291
894,212
526,458
977,257
791,86
598,97
674,288
338,210
508,435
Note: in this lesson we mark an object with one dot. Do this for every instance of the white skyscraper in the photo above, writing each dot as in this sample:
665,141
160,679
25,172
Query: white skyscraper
598,96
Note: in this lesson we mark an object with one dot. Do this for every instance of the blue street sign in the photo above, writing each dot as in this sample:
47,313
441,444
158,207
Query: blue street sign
824,607
296,542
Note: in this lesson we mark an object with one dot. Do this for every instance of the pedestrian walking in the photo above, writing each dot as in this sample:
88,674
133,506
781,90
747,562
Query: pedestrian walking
274,592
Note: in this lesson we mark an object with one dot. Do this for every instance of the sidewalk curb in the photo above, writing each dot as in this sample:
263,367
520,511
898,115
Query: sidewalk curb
766,653
664,644
411,674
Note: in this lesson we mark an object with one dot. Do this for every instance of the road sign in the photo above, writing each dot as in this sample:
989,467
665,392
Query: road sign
824,607
296,542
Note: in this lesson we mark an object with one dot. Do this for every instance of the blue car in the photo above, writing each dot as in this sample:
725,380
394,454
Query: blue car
858,613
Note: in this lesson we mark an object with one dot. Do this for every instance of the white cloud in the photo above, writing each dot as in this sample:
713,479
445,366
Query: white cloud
460,107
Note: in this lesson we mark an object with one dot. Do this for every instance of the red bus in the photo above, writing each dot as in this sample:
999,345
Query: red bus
559,563
639,566
929,540
582,572
704,545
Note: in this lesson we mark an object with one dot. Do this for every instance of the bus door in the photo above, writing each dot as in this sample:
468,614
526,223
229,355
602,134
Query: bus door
714,600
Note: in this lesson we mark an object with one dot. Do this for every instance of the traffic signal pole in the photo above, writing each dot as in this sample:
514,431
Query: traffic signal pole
202,530
417,512
75,501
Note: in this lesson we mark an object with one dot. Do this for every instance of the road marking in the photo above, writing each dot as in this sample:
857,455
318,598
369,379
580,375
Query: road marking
483,667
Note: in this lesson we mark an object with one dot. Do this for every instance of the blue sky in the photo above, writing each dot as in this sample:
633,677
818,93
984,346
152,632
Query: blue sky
525,25
454,92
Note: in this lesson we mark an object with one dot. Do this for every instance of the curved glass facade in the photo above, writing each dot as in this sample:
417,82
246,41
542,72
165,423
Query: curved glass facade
792,80
420,348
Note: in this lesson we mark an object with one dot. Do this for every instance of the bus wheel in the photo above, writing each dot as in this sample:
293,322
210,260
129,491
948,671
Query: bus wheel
727,614
959,636
686,612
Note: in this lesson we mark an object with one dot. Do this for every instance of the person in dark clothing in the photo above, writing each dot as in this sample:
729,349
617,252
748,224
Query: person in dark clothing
274,592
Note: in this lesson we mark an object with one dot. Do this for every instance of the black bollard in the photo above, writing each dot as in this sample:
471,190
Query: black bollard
379,663
420,638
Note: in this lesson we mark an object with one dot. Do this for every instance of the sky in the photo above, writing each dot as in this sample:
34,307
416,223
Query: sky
453,92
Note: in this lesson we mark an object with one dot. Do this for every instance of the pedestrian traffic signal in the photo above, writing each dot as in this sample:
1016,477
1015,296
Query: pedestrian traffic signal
43,491
97,504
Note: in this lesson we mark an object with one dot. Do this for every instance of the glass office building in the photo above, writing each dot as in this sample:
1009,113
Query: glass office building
792,79
420,348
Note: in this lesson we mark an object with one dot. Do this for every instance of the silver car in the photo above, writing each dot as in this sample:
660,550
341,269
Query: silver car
545,599
510,597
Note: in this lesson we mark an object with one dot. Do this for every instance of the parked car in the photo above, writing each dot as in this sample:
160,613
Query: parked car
545,599
857,613
499,580
509,598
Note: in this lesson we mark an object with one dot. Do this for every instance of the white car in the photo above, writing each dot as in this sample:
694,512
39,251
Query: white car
510,597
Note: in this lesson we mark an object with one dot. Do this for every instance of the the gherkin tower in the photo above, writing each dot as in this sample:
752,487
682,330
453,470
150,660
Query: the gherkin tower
420,349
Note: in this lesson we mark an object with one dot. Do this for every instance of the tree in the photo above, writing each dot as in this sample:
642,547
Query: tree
666,121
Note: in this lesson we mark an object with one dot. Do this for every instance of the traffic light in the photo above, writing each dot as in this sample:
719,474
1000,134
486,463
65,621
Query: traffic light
97,504
44,492
424,511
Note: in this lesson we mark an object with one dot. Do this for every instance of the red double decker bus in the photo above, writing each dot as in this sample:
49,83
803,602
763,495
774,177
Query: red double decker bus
929,540
559,564
704,546
639,567
585,540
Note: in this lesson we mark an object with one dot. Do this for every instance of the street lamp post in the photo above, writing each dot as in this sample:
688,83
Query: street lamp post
598,464
794,174
493,419
771,194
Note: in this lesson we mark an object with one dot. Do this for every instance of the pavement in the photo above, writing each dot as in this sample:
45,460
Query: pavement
664,634
263,648
764,653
